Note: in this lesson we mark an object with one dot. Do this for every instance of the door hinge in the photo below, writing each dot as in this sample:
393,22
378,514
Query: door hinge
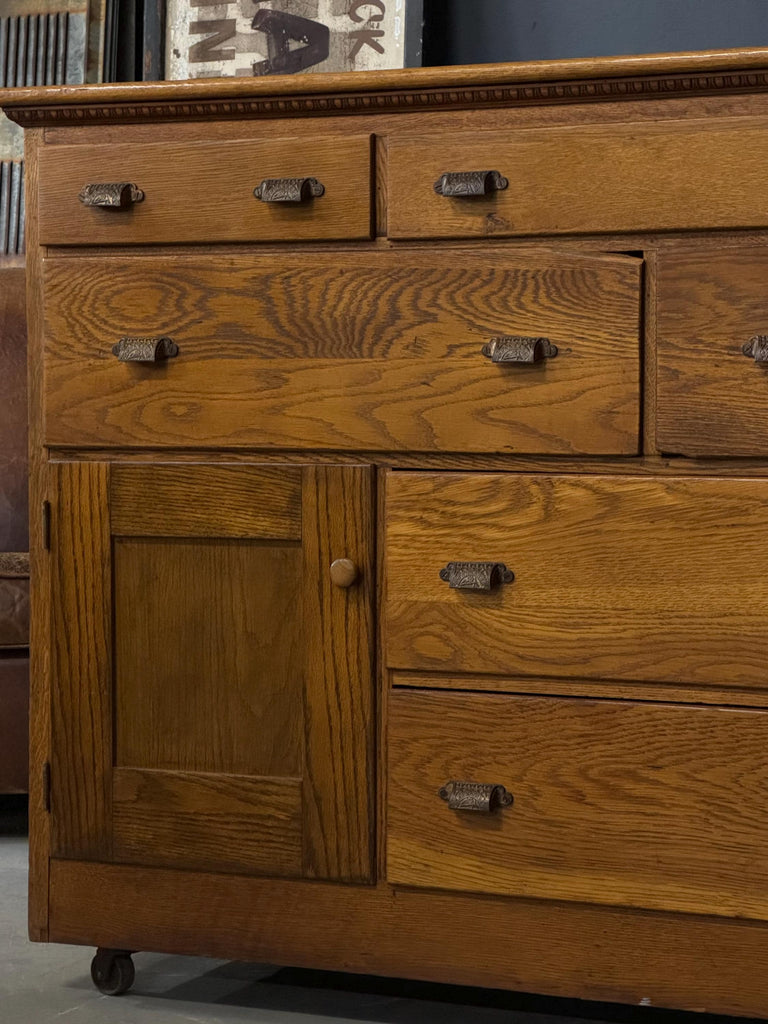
47,786
46,525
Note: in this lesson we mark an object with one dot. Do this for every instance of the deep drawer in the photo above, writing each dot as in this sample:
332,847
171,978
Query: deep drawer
203,192
712,394
376,351
615,577
584,179
643,805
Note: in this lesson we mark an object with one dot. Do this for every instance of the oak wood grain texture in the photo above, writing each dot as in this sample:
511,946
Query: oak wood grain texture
647,465
454,112
81,603
40,559
650,339
203,192
629,804
615,577
588,80
383,680
210,822
208,668
632,177
565,949
14,533
212,501
371,351
613,689
712,399
339,673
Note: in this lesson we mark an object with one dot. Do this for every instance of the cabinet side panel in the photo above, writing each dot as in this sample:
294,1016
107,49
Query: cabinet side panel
39,684
339,666
82,661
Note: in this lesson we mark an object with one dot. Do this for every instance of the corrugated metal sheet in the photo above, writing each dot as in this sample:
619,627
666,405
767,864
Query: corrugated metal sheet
35,49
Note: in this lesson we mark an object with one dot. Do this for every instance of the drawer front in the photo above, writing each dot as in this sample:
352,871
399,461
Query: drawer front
712,394
585,179
204,192
376,351
625,578
643,805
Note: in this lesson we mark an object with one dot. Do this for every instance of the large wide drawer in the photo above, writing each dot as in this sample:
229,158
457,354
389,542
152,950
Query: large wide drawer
634,804
589,179
615,577
204,192
713,353
373,351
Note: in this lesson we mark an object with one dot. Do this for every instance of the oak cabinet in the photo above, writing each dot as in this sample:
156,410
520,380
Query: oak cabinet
399,494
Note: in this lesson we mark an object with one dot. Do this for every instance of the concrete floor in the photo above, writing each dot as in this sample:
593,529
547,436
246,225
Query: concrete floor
46,983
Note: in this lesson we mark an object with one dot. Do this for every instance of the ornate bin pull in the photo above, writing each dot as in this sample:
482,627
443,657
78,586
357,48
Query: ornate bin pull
289,190
145,350
757,348
476,575
111,196
475,796
516,348
465,184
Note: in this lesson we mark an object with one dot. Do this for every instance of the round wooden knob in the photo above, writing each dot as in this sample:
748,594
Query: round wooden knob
344,572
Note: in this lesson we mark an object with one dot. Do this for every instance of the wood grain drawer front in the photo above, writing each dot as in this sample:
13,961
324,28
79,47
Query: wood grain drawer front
713,353
643,805
623,578
379,351
204,192
584,179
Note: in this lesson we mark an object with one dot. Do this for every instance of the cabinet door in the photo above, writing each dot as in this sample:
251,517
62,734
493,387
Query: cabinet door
212,687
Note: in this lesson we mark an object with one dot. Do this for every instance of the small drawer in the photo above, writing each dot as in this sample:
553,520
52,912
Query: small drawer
204,192
374,351
713,353
629,804
614,577
585,179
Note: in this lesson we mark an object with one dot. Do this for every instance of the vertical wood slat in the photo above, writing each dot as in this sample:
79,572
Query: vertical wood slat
339,781
81,661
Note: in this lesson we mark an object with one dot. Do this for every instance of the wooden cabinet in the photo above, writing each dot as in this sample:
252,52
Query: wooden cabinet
398,491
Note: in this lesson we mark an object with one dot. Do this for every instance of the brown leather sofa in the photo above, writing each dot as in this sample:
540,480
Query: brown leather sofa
14,536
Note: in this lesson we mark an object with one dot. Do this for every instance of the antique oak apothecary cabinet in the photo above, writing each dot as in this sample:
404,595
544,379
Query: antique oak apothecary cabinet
400,494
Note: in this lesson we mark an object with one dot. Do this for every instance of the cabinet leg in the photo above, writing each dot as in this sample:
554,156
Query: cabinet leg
112,971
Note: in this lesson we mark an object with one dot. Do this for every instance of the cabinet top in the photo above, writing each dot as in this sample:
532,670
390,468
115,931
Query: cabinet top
546,81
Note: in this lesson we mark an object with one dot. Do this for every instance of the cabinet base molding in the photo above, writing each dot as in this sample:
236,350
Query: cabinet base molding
678,961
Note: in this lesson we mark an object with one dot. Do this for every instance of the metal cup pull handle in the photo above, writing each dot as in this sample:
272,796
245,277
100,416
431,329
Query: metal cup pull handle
467,184
757,348
482,797
145,350
118,195
519,349
289,190
476,575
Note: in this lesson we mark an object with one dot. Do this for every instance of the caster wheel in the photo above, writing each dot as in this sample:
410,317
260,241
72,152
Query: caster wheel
112,973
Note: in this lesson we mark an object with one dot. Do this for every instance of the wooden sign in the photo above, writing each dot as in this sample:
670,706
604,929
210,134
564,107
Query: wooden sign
251,38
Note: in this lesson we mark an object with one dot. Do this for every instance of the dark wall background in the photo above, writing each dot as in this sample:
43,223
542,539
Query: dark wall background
483,31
